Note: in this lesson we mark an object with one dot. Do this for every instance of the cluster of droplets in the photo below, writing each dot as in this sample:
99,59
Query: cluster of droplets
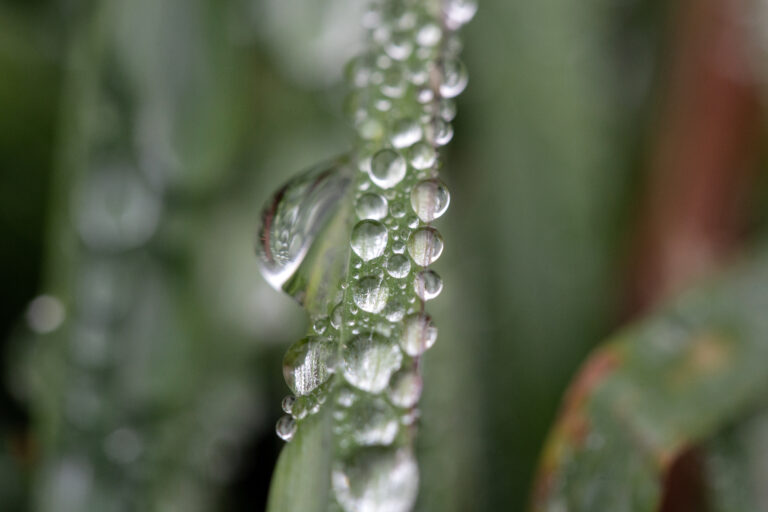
367,348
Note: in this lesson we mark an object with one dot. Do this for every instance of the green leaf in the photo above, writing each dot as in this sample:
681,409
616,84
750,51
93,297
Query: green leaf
670,382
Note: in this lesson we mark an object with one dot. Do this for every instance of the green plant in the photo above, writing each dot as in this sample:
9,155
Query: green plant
353,241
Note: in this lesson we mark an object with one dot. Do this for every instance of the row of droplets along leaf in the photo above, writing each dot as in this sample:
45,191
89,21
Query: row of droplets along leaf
374,331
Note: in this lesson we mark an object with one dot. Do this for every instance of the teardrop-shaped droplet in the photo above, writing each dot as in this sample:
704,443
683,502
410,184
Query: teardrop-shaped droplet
398,266
427,284
376,480
308,363
369,239
369,361
425,246
405,388
286,428
287,404
387,168
371,206
294,218
419,334
430,199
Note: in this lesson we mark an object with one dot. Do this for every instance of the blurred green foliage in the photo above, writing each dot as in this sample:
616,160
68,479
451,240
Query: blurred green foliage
209,105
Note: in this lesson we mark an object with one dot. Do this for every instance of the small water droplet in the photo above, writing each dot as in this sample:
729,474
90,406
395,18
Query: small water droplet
440,132
397,209
447,109
400,45
405,388
455,78
405,132
427,284
287,404
429,35
394,84
430,199
371,206
371,422
286,428
376,480
422,155
398,266
369,362
308,363
387,168
370,294
419,334
398,247
459,12
395,311
425,246
369,239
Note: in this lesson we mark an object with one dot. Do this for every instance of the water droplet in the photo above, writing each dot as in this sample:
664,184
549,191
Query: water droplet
45,314
422,155
370,294
459,12
308,363
398,247
287,404
114,210
405,132
376,480
440,132
447,109
425,95
425,246
455,78
336,316
427,284
430,199
293,219
398,266
429,35
387,168
405,388
369,239
371,206
320,325
286,428
394,84
397,210
400,45
369,362
370,422
395,311
419,334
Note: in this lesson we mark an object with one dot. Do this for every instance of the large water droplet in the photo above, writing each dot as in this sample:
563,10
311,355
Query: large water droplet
369,362
308,363
371,206
376,480
387,168
369,239
425,246
405,388
294,218
286,428
427,284
419,334
370,294
398,266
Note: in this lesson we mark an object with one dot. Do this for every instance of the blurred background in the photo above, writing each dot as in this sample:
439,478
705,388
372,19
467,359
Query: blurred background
606,154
